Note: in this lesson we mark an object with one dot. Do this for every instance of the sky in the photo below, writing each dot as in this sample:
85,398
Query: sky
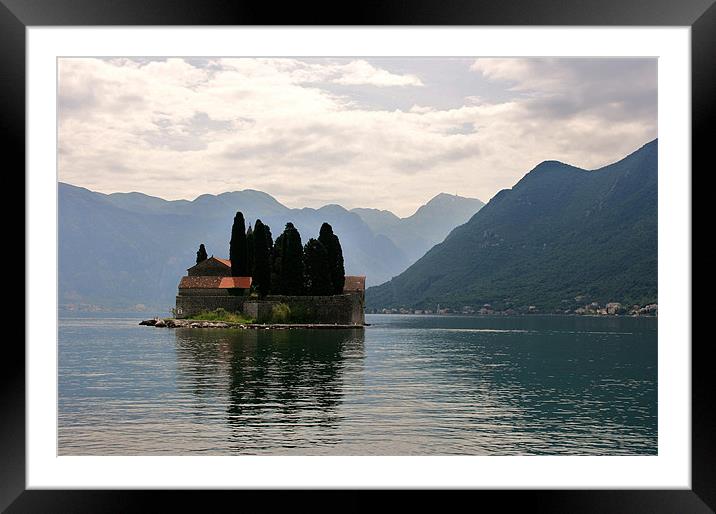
387,133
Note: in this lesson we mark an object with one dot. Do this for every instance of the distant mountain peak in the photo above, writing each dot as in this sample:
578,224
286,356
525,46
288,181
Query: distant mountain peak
370,209
445,200
548,165
551,164
447,197
333,208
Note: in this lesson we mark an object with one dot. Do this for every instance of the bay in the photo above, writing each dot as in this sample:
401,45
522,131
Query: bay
406,385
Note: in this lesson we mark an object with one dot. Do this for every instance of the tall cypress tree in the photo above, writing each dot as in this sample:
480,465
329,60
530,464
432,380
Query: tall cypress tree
250,251
317,269
269,237
201,255
271,247
276,286
291,274
262,260
237,247
335,258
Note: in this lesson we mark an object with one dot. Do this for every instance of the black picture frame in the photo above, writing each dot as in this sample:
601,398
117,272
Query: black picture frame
700,15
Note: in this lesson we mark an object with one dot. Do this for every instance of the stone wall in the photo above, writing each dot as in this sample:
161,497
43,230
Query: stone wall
196,291
259,310
342,309
190,305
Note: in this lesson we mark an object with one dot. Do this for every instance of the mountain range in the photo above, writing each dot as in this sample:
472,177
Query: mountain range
128,250
416,234
559,237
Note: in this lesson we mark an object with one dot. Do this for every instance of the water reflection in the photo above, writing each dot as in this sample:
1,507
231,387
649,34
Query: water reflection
531,390
277,387
404,386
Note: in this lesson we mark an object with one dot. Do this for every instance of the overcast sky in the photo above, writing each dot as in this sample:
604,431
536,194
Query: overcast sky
389,133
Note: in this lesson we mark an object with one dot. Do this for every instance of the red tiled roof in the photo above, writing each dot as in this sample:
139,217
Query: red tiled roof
207,282
225,262
354,283
240,282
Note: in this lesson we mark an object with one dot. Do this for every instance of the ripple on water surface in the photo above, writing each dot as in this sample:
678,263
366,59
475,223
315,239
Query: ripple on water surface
406,385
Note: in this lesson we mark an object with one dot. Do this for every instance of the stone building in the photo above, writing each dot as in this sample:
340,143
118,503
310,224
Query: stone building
209,286
354,284
211,267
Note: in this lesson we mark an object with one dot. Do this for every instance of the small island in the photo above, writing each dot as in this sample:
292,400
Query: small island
279,284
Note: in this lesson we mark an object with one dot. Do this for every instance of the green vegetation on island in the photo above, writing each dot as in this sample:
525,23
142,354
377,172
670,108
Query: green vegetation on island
316,269
262,244
286,266
291,276
336,269
281,314
238,250
223,315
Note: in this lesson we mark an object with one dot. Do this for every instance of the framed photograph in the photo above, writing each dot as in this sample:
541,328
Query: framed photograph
435,247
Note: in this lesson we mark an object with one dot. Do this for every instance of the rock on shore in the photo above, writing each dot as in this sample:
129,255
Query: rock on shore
183,323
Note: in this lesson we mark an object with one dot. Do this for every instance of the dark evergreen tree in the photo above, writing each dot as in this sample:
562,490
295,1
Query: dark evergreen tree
262,260
316,269
237,247
291,262
201,255
276,287
250,251
272,249
269,237
335,258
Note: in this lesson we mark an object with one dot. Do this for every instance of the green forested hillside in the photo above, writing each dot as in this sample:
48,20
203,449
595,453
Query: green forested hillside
560,233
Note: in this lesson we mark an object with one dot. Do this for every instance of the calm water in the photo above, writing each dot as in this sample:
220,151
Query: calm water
407,385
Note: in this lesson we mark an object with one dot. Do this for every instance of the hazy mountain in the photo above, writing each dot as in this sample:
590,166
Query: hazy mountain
122,249
561,232
416,234
111,256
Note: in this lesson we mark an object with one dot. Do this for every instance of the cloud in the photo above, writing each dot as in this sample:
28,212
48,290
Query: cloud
179,128
187,135
421,109
362,73
563,87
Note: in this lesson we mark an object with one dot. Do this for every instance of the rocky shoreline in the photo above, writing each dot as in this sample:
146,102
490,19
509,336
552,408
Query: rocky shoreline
189,323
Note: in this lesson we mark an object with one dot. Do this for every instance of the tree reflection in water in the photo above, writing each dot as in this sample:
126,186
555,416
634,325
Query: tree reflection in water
276,386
